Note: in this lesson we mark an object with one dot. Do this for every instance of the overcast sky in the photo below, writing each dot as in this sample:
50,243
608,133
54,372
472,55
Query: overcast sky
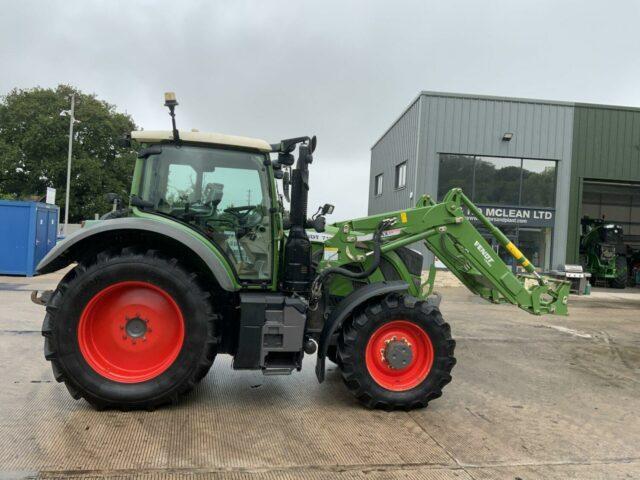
343,70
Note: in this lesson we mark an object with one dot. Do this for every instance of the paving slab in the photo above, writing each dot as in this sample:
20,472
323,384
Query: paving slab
531,397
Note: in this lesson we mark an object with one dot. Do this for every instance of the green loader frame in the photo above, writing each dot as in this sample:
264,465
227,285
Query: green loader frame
446,231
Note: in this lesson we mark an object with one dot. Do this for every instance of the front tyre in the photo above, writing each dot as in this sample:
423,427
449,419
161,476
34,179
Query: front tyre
130,329
397,353
620,280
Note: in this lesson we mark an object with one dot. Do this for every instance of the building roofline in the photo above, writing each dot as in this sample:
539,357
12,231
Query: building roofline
607,107
415,99
470,96
430,93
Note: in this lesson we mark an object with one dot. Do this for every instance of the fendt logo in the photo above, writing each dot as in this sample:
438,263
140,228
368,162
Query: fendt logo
488,259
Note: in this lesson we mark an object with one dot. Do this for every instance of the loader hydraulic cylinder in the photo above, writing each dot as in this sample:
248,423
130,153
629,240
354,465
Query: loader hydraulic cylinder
501,237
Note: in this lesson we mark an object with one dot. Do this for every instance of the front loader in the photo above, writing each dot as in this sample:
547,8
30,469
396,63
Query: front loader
205,261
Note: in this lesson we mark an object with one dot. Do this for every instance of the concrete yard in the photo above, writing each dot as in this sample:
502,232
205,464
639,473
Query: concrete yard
531,398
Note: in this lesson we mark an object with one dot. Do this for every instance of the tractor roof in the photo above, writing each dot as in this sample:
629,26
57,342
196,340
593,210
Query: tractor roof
153,136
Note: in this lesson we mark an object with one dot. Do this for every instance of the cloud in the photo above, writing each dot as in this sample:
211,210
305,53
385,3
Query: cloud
341,70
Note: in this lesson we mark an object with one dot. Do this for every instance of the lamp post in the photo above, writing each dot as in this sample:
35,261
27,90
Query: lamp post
72,120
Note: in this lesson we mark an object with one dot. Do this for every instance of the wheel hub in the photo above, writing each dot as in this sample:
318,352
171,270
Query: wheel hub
131,331
398,353
136,327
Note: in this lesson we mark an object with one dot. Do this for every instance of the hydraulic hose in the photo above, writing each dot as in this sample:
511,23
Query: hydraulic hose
322,276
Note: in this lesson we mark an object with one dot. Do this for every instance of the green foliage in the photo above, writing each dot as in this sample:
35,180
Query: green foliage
34,141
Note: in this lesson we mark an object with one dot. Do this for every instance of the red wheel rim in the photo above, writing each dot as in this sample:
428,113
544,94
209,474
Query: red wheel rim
131,332
419,366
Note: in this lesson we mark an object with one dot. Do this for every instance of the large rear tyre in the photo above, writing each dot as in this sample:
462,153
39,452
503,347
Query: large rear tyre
621,273
130,329
332,354
397,353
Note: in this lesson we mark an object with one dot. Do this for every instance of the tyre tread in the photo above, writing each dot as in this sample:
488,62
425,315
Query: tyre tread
97,262
348,354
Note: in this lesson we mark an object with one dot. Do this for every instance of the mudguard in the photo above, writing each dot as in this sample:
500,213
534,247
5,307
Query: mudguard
344,309
63,253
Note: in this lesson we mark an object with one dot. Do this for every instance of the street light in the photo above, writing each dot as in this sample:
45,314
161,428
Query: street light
72,121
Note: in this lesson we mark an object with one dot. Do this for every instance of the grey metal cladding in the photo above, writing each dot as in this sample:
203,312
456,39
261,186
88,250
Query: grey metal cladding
474,124
397,145
208,257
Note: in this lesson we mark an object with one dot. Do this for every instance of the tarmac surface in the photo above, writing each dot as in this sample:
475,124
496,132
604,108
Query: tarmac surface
531,398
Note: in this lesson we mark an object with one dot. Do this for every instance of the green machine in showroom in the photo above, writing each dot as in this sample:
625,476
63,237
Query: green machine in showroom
603,252
204,260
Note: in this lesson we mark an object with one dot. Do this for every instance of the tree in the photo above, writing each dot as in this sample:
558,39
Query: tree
33,149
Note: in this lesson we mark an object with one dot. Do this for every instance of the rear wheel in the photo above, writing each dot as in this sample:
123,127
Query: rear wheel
397,353
620,281
130,329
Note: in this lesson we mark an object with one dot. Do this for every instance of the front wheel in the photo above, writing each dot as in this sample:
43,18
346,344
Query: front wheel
620,280
397,353
130,329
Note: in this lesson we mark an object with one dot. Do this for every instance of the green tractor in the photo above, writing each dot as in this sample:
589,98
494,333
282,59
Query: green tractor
603,252
205,260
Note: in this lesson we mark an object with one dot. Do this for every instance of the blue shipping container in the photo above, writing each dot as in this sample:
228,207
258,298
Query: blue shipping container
28,230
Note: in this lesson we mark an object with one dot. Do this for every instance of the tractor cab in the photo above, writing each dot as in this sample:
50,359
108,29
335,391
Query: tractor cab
218,185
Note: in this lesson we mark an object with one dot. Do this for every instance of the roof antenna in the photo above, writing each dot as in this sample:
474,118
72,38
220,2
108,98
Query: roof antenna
171,102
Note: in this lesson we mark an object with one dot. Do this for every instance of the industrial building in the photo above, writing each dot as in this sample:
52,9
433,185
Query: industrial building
535,167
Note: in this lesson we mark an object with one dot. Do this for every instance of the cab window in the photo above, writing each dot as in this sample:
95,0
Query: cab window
224,194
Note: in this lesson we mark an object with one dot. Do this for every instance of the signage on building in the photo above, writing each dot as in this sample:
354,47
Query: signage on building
522,216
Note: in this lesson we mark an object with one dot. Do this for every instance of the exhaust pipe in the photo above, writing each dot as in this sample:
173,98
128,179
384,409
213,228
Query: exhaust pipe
297,271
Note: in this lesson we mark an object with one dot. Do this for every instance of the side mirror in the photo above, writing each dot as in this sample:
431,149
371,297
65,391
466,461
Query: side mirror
286,182
313,144
327,209
286,159
279,174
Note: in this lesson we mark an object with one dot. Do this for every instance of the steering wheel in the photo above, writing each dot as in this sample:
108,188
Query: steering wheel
247,215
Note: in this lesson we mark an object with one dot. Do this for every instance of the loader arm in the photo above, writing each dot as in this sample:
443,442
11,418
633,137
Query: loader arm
446,230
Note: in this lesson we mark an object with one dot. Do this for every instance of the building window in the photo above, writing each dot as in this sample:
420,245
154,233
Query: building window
539,183
377,185
499,180
527,187
401,175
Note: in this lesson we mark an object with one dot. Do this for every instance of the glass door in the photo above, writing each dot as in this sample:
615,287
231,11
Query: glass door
535,243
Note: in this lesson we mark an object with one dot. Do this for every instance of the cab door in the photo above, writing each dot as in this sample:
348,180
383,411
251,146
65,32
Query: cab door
224,194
